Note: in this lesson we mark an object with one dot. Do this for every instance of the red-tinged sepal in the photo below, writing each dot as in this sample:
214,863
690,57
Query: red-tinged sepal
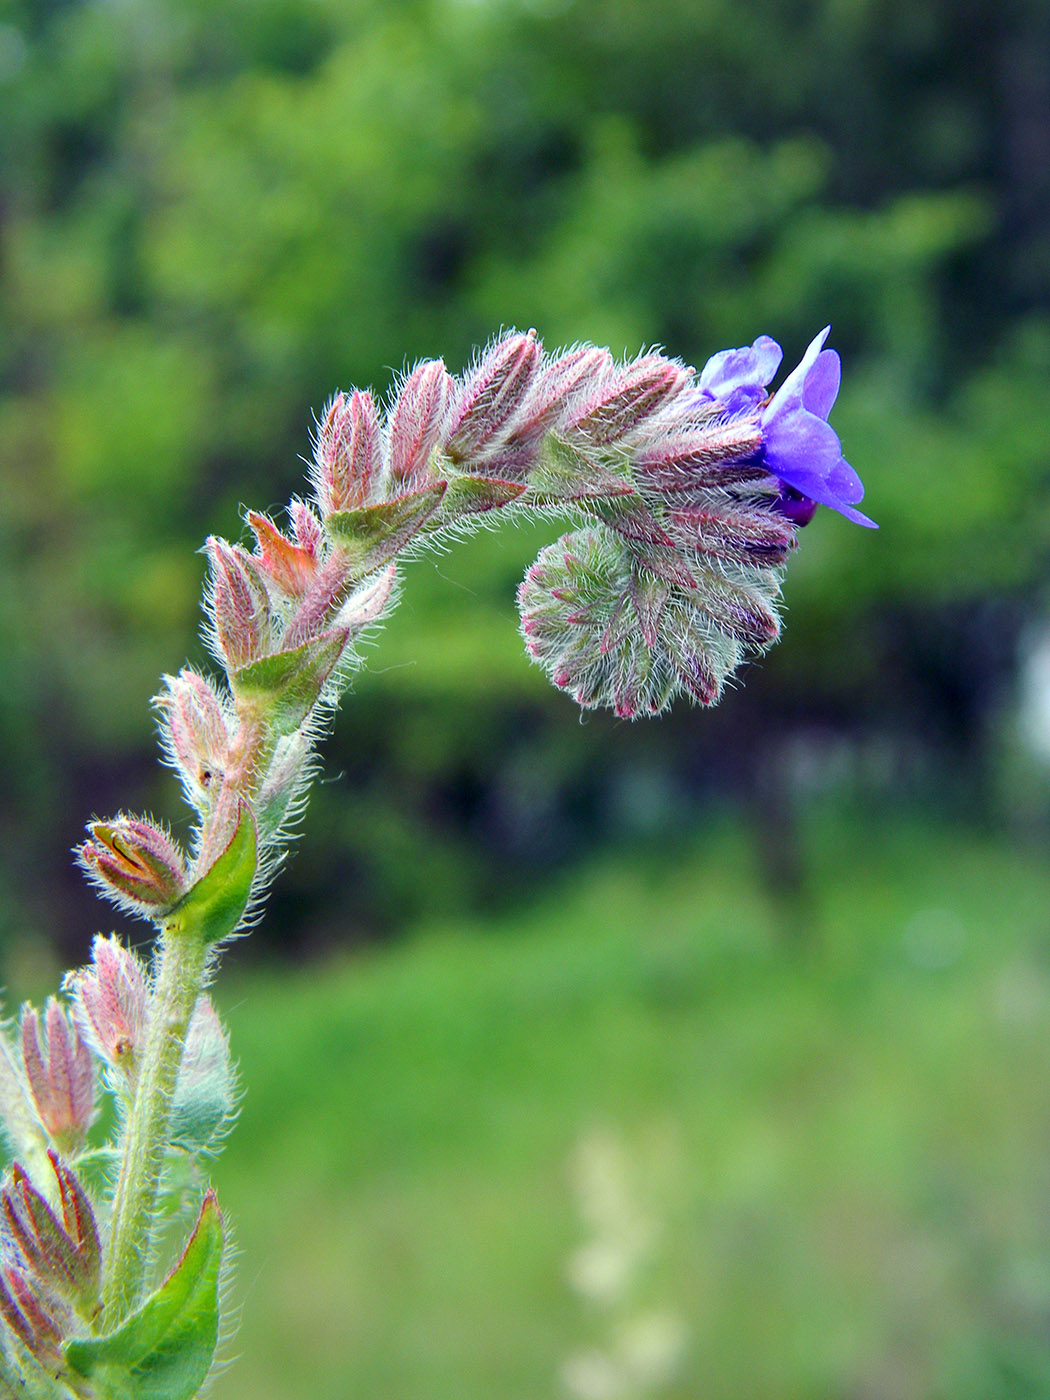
735,535
37,1322
62,1255
370,536
287,566
306,528
558,389
719,456
648,595
136,864
59,1073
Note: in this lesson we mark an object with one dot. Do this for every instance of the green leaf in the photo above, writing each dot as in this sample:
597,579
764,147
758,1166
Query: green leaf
372,535
213,907
164,1350
288,683
469,495
563,474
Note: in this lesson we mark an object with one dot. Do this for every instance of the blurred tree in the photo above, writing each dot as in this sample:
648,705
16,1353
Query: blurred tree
211,214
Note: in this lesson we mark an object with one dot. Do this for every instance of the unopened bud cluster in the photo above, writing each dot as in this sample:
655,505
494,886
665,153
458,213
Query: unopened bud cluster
53,1254
685,491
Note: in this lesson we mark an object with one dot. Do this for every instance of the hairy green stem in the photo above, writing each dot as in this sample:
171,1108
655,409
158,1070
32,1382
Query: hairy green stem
182,958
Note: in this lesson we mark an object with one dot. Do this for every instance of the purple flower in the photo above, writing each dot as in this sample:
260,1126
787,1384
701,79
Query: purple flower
737,379
800,447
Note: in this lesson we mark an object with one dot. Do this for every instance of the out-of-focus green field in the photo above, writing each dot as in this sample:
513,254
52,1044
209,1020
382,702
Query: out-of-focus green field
843,1137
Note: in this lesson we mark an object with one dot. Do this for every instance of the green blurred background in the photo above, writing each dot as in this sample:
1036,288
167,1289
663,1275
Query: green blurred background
786,963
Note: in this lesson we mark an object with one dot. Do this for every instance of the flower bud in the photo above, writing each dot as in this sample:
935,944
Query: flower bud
239,606
59,1074
320,601
559,388
306,528
733,534
195,734
111,1002
722,456
492,395
417,421
348,454
615,630
136,864
628,398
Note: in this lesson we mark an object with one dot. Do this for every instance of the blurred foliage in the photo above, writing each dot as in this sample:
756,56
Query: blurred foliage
213,212
854,1138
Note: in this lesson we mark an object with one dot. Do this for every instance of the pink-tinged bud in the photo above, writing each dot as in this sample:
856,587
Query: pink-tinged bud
628,398
734,534
492,395
417,422
557,390
136,864
111,1002
63,1256
348,453
314,613
648,595
30,1320
306,528
287,566
196,734
240,608
722,456
368,603
629,517
59,1074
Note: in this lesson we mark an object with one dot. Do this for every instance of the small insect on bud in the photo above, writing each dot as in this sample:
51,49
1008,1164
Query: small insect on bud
628,398
111,1002
136,864
240,607
417,422
492,395
348,455
59,1074
195,734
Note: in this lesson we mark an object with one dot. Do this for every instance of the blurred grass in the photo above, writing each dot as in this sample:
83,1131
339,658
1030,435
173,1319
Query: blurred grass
859,1116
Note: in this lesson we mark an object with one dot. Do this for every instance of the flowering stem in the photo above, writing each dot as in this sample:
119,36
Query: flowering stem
181,961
